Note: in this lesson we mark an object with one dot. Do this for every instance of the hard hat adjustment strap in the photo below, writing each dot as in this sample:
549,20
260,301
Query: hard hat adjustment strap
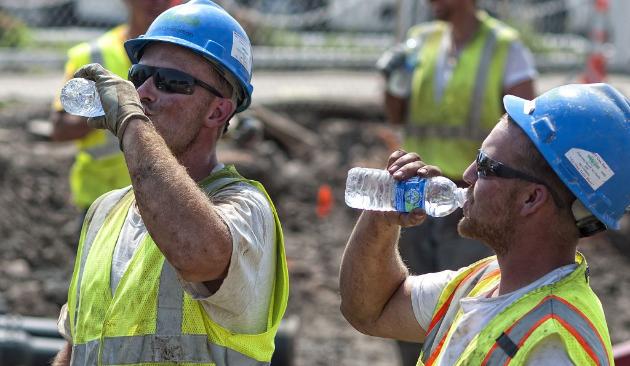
585,221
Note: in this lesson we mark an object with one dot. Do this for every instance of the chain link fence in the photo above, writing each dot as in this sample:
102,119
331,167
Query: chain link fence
312,33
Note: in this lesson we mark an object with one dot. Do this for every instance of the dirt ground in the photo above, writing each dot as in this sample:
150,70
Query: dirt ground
38,225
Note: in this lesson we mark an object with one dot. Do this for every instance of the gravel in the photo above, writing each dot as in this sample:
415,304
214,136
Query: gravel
38,226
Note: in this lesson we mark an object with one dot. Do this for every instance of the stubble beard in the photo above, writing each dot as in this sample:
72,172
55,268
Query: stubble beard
496,233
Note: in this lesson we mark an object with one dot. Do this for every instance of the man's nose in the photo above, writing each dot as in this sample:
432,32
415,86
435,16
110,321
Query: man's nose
470,174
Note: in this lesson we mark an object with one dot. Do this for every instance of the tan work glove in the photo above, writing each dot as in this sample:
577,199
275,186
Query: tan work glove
119,98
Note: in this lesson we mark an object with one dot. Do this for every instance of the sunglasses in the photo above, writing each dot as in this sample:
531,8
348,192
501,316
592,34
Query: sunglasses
487,167
168,80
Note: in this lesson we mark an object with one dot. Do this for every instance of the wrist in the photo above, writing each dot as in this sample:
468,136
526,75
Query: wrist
129,128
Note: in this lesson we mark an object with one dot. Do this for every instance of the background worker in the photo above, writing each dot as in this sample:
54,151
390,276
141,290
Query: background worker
551,171
187,265
444,86
99,165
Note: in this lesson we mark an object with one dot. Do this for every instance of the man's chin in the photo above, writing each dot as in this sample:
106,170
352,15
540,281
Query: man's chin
468,228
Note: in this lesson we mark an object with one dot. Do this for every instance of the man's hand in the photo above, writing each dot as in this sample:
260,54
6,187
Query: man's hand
119,98
403,165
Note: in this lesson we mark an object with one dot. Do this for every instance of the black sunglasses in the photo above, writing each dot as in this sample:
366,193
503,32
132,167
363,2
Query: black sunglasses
487,167
168,80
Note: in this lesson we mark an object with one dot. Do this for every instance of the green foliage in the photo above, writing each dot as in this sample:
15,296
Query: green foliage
13,33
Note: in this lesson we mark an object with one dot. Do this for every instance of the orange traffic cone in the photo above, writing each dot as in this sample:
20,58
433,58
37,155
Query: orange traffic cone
324,201
595,70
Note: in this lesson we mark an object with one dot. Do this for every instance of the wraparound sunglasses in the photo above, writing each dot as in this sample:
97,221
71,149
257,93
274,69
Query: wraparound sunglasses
168,80
487,167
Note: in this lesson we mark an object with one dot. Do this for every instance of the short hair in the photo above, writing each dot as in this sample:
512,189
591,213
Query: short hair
531,161
228,86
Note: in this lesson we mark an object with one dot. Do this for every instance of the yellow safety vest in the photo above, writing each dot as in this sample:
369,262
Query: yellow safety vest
150,319
447,133
567,308
99,166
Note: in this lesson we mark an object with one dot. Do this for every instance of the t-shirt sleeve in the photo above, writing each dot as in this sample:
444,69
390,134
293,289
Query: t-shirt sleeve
243,297
425,293
520,65
63,323
550,351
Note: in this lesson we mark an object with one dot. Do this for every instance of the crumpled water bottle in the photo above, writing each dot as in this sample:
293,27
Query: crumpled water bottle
80,97
377,190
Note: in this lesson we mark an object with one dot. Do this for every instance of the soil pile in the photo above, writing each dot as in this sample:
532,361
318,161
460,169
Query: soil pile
38,225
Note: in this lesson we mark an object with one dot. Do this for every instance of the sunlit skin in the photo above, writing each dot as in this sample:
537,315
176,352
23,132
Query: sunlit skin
491,219
514,217
179,118
143,12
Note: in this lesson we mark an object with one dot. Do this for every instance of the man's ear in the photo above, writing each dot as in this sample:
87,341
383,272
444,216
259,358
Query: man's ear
222,109
534,198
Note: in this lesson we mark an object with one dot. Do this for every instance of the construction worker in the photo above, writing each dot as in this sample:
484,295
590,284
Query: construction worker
99,166
187,265
444,87
553,170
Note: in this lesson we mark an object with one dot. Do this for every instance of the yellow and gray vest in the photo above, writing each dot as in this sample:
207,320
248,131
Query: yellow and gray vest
99,166
447,132
567,308
150,320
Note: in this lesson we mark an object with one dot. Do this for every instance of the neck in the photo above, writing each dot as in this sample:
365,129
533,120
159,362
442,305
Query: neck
464,25
199,165
520,266
137,26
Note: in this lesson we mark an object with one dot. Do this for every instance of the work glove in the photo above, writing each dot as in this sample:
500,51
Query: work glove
119,98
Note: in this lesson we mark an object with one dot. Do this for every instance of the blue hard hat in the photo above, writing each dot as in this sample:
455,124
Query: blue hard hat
583,132
208,30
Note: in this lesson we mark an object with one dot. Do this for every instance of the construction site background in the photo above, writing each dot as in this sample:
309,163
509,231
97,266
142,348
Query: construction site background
316,112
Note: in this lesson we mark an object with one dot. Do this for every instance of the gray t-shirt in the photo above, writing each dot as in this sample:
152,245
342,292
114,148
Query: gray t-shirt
241,303
478,311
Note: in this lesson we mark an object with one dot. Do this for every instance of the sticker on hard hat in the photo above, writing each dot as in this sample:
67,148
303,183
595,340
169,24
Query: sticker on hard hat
591,167
241,51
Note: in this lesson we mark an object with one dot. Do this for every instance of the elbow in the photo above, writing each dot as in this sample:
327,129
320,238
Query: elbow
194,275
362,324
200,269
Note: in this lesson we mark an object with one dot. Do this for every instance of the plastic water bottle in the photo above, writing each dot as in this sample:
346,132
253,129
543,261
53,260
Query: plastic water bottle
80,97
377,190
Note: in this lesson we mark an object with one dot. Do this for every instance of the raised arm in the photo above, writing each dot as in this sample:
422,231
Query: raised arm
375,293
177,213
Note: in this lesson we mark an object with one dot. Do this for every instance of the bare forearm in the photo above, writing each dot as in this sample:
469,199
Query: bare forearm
63,357
67,127
395,109
371,270
177,213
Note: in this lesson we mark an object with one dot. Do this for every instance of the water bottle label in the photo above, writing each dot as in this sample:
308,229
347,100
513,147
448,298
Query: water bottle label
410,194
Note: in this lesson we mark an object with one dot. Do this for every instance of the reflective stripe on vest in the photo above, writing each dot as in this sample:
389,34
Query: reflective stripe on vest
105,204
124,350
551,307
167,344
472,128
99,166
168,341
111,145
567,308
446,313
